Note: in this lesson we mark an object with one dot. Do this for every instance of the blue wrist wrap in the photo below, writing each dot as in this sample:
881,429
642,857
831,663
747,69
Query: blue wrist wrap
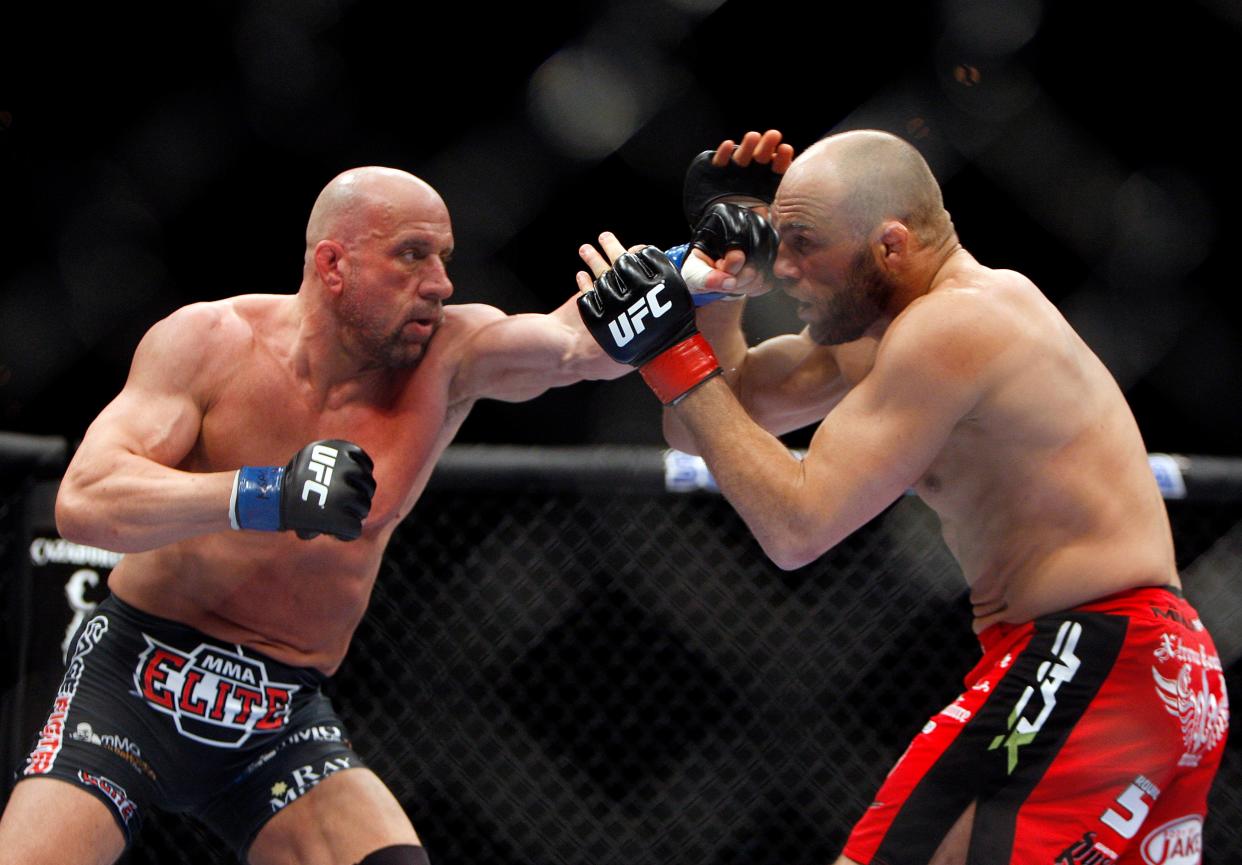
677,255
258,497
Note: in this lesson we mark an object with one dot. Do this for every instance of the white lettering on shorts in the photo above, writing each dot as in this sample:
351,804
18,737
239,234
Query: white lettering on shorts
1050,676
51,737
116,794
1204,718
304,778
1133,805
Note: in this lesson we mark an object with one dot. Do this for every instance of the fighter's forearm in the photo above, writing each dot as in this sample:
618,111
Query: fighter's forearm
765,483
721,324
128,504
582,356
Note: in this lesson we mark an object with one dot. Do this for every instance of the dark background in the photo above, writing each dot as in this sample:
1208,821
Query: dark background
149,162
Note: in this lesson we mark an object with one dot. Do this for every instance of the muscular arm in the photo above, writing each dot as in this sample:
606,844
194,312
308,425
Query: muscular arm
782,384
930,371
517,357
120,492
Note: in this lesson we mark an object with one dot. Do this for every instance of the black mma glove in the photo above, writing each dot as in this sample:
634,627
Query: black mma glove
641,313
326,488
727,226
706,184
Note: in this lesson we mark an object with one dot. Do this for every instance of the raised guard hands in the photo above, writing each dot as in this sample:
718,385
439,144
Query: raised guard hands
745,174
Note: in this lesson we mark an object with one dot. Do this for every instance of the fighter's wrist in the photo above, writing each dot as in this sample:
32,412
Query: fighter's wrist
255,502
677,370
695,272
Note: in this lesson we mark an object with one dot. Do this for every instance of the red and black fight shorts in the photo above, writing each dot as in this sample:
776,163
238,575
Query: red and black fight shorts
1089,737
154,713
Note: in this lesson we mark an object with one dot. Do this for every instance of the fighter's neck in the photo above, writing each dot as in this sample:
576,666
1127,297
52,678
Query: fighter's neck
322,362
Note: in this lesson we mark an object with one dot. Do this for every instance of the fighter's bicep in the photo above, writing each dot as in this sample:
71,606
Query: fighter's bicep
889,428
160,426
159,412
518,357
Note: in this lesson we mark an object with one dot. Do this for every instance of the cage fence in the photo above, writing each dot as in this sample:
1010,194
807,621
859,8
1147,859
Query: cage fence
565,663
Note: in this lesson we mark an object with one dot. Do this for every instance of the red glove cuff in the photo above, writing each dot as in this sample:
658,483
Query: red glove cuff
676,371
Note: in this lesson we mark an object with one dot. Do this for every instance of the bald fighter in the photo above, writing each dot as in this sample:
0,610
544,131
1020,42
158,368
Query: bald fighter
1093,725
253,468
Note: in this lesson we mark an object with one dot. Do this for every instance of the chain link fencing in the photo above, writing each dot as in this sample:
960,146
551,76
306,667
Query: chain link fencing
604,676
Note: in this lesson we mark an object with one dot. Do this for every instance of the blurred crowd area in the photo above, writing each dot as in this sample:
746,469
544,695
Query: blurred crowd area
145,164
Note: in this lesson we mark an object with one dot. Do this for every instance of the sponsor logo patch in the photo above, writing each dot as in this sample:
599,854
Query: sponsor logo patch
319,733
214,696
1086,851
51,737
121,746
124,805
1203,717
304,779
1178,842
1050,677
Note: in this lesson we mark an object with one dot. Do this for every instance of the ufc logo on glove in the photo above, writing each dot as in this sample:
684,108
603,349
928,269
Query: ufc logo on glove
630,322
323,458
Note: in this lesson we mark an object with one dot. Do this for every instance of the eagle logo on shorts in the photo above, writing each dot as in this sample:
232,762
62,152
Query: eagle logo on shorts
1204,718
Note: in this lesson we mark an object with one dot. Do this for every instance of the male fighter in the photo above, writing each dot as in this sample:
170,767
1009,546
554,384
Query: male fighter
1093,726
253,468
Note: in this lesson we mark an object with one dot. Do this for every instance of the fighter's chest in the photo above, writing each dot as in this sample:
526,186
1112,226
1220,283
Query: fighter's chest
263,423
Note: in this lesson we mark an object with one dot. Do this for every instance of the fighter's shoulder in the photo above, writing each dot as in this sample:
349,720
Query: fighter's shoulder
463,324
467,317
201,335
212,319
961,325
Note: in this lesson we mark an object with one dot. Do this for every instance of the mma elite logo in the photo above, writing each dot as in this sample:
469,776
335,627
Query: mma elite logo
214,696
322,461
1022,730
627,324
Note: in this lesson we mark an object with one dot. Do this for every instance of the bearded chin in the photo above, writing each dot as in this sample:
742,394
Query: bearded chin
386,350
399,354
862,301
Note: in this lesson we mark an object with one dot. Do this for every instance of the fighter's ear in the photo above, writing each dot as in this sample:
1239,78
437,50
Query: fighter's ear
892,242
329,256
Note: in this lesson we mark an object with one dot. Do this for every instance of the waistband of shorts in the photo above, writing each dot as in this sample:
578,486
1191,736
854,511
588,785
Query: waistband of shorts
1127,602
174,632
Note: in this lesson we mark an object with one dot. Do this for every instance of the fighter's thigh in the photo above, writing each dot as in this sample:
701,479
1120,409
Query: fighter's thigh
51,822
345,817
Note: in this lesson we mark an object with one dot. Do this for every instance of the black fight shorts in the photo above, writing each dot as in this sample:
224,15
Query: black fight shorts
154,713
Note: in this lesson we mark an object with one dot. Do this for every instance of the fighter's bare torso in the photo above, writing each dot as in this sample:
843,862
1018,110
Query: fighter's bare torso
1042,488
298,601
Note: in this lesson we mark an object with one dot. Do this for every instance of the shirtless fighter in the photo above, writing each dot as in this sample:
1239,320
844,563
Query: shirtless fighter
1091,729
196,685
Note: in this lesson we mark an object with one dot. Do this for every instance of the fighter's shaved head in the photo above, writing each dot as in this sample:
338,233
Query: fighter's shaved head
364,200
870,176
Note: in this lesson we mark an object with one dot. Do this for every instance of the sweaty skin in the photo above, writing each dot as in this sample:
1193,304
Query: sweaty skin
365,351
929,371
